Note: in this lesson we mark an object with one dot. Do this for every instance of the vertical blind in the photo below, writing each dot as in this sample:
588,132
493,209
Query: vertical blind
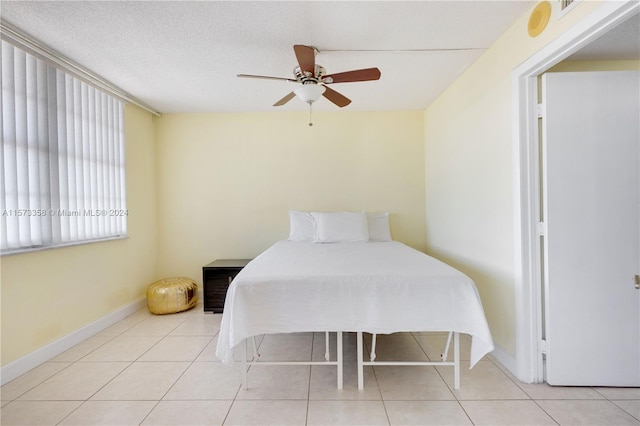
565,3
62,177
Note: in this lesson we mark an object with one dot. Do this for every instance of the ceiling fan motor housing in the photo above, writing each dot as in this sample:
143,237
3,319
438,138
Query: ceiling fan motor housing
306,77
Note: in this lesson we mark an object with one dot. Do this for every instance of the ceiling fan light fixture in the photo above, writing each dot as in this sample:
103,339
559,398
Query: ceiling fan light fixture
309,93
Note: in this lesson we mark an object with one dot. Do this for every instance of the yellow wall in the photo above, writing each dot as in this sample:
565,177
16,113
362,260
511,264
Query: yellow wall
224,184
469,169
49,294
226,181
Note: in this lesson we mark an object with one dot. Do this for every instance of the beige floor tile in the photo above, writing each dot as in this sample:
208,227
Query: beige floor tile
484,381
631,406
434,345
196,310
277,382
350,413
426,413
587,412
115,330
265,413
82,349
183,413
349,350
77,382
506,413
251,347
286,347
38,413
619,393
324,383
206,324
156,325
410,383
208,354
140,314
505,370
142,381
31,379
125,324
545,391
109,413
206,380
177,348
395,347
206,391
123,348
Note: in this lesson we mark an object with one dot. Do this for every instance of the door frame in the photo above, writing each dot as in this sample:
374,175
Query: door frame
526,178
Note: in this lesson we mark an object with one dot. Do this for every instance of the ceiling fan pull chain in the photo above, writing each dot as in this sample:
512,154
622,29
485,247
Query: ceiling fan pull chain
310,106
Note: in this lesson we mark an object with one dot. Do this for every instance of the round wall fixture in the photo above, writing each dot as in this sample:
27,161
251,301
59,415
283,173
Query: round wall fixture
539,18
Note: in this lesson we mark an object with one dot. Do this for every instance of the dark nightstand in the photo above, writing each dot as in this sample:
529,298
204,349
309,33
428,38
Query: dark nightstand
216,277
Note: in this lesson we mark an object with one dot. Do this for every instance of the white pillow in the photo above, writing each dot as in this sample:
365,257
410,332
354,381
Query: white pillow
378,224
340,227
302,226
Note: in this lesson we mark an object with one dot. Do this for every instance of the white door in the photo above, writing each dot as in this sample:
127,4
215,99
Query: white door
591,208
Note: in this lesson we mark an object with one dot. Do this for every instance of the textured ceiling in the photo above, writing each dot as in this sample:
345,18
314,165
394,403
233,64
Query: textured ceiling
621,43
180,56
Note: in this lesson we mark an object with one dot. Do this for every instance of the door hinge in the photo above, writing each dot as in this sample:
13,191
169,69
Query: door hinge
636,281
542,346
542,228
539,110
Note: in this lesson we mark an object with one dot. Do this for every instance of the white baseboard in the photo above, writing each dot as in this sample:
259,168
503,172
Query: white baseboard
507,360
39,356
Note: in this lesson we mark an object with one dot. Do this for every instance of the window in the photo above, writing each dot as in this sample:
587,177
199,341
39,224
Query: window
62,168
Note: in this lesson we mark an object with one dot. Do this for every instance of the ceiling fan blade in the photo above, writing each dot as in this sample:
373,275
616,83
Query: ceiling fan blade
285,99
266,77
366,74
306,56
336,98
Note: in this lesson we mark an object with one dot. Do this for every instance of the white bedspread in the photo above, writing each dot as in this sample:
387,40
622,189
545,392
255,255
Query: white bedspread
375,287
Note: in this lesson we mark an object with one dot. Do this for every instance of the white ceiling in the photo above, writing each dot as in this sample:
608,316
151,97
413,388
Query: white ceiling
180,56
621,43
183,56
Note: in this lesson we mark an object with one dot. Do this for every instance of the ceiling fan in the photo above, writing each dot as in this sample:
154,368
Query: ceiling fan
314,80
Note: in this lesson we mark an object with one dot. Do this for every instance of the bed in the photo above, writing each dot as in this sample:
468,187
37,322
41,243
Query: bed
367,285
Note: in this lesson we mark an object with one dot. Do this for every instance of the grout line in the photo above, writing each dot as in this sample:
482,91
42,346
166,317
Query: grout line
460,402
306,414
72,362
151,411
545,411
132,363
451,391
464,411
375,377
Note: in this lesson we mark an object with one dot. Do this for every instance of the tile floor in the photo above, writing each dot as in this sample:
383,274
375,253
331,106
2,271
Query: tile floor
162,370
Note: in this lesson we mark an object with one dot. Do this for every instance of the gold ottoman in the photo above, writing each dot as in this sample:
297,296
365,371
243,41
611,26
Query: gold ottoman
171,295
